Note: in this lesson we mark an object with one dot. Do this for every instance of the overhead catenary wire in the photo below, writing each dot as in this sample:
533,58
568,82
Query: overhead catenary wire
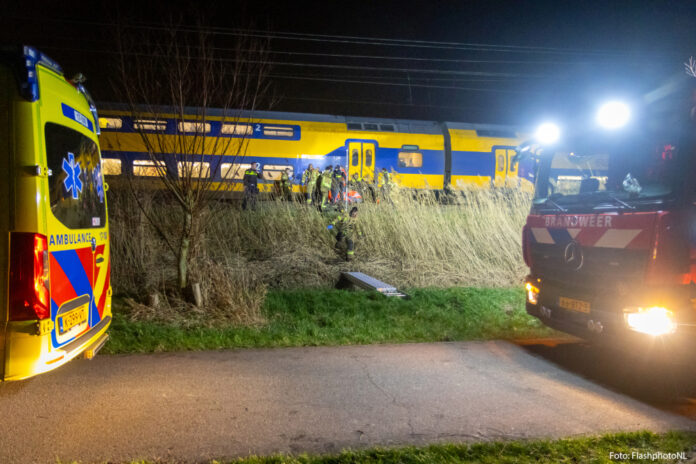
358,40
335,66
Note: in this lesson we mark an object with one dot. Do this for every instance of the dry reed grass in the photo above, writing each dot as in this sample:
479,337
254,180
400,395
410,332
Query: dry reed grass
473,240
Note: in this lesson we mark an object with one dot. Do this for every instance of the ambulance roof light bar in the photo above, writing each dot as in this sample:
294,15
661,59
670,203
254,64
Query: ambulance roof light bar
29,83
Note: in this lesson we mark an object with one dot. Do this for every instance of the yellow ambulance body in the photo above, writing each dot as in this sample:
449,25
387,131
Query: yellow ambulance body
54,236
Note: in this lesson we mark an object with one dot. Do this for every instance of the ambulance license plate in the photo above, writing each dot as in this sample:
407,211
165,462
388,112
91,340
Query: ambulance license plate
574,305
70,319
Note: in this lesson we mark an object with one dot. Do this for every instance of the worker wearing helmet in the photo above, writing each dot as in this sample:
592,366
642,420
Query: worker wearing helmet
347,229
326,180
251,188
385,184
309,180
286,185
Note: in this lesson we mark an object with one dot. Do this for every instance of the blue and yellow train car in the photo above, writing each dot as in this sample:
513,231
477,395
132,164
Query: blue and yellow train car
419,154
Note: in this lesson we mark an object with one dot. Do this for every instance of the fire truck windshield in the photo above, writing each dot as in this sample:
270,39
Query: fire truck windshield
612,173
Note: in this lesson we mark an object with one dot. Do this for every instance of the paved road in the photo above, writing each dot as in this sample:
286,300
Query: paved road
195,406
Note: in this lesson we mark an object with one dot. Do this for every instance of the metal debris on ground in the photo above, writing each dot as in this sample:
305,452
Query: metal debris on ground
366,282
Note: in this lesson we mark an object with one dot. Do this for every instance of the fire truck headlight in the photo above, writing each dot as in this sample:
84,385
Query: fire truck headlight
652,321
532,293
548,133
613,115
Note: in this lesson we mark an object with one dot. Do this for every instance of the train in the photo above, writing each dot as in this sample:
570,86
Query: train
420,155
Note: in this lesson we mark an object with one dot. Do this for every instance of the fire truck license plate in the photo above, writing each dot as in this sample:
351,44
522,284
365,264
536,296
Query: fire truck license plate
71,319
574,305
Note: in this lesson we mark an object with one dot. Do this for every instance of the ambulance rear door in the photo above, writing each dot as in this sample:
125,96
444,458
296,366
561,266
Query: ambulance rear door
77,221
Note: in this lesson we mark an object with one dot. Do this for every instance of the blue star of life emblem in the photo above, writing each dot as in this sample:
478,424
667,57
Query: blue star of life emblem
72,172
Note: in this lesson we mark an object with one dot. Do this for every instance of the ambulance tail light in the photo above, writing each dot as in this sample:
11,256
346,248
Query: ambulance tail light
669,253
30,298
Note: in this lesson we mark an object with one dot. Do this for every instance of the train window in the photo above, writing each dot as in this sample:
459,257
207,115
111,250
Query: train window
278,131
409,147
355,157
370,127
497,133
229,171
193,170
111,166
410,159
150,124
148,168
354,126
501,163
194,127
110,123
368,157
236,129
273,171
386,127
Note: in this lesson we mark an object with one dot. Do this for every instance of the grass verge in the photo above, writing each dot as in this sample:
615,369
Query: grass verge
576,450
339,317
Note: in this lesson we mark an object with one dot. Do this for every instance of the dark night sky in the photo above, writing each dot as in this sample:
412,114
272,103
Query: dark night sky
549,57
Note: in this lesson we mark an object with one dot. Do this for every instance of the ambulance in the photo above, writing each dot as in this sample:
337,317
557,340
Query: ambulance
54,235
610,240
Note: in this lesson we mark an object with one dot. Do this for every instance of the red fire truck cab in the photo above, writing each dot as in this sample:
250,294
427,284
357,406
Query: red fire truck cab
610,240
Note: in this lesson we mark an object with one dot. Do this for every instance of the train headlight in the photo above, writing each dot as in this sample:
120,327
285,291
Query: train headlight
532,293
613,115
652,321
548,133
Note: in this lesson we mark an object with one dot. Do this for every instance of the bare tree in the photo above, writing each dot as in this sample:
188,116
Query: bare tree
690,67
176,73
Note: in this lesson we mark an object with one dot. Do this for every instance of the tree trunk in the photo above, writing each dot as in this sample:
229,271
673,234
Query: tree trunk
184,251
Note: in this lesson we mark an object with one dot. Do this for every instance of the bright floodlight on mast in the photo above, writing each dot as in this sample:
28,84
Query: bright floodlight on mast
613,115
547,133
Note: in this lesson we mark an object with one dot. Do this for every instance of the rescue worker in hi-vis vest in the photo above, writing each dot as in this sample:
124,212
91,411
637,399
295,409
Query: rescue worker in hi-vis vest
356,183
251,187
286,185
347,228
316,194
309,180
338,185
326,181
384,184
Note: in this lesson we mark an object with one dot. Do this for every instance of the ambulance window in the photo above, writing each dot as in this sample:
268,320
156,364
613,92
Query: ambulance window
75,180
111,166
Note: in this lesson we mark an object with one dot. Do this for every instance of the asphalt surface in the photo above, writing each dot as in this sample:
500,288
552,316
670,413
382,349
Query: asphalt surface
192,407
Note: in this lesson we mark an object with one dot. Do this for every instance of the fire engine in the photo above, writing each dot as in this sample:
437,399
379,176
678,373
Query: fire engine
610,240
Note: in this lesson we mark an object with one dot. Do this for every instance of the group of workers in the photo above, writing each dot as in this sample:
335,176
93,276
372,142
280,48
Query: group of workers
331,186
327,189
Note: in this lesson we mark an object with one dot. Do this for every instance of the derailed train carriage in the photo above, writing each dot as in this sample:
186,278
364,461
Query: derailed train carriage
419,154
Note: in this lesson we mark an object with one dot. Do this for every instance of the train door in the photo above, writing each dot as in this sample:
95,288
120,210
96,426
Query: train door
505,171
361,160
